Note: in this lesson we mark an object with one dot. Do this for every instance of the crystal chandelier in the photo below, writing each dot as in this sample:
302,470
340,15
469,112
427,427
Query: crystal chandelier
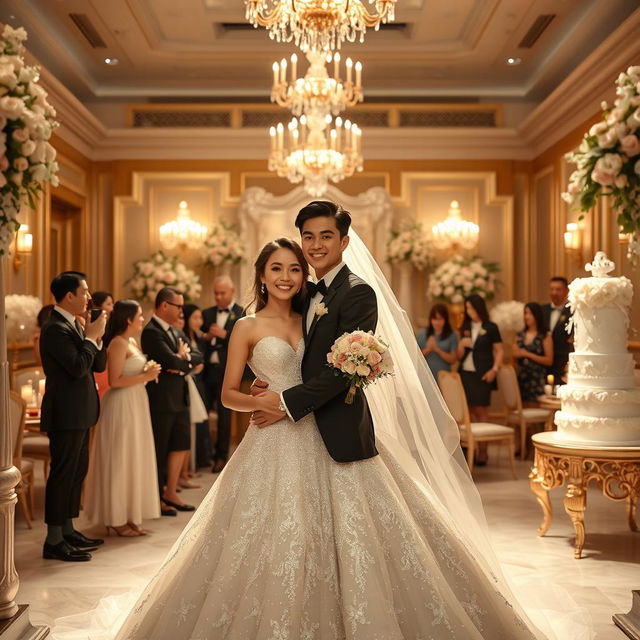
183,231
319,25
317,93
316,152
454,231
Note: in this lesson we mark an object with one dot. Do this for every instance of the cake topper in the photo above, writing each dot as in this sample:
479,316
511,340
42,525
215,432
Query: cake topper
600,266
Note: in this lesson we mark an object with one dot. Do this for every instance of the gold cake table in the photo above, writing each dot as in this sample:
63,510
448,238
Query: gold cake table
615,470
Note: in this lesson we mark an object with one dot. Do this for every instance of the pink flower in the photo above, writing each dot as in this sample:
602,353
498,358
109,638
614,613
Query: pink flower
355,337
20,135
4,163
373,358
630,145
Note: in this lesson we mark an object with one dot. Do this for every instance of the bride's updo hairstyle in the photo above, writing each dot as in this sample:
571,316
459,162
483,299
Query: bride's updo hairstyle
260,297
118,322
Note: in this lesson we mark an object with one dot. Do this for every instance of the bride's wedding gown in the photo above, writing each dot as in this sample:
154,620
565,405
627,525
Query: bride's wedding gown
291,545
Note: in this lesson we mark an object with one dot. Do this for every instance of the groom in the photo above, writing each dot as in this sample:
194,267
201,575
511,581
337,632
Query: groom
339,302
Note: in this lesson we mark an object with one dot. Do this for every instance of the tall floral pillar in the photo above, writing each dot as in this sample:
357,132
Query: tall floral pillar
27,160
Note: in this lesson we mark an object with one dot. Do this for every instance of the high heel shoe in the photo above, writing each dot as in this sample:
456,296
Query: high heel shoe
139,530
123,533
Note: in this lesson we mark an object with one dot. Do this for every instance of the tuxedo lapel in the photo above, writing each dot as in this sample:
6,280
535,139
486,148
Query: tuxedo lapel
167,338
66,323
305,311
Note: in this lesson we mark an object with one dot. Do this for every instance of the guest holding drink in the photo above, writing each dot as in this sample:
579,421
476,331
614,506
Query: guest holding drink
481,352
533,351
438,342
121,489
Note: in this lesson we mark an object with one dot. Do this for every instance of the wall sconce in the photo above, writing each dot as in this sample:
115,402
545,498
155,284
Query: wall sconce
572,237
23,245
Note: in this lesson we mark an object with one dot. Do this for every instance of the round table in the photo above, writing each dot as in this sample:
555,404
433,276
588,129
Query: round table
553,404
615,470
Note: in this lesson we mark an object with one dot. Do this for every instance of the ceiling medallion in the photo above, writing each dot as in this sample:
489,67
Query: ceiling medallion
319,25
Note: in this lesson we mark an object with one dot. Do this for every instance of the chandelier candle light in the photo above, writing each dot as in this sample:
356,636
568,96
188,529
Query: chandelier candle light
454,231
183,231
317,92
319,25
315,153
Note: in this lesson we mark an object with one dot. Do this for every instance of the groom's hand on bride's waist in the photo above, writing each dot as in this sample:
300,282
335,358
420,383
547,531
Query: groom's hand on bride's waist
267,410
258,386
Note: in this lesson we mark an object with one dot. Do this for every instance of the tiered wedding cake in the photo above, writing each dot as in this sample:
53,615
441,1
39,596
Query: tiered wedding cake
600,404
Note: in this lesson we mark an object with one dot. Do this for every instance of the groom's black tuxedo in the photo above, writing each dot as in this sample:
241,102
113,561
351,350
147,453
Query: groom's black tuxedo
347,429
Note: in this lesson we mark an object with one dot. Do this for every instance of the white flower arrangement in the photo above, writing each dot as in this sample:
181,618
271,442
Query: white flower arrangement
152,274
509,316
27,160
459,277
411,244
608,160
222,244
22,314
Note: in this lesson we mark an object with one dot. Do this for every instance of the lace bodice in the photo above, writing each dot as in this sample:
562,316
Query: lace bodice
134,364
276,362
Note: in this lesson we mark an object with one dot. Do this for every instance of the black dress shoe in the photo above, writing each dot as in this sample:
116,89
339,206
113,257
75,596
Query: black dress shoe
179,507
63,551
80,541
168,512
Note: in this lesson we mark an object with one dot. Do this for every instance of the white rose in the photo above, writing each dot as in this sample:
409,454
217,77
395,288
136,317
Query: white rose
16,178
7,76
39,173
343,345
50,153
479,282
3,182
459,280
449,291
457,299
349,367
28,148
363,370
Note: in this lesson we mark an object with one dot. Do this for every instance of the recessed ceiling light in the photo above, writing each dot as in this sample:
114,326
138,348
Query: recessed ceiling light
111,61
514,61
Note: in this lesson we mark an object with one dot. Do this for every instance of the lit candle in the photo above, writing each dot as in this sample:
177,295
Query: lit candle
276,70
26,392
358,74
41,385
294,62
272,133
349,66
280,131
333,139
336,65
550,379
283,71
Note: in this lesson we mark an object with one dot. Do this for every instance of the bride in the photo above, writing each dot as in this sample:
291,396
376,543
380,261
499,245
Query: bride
290,544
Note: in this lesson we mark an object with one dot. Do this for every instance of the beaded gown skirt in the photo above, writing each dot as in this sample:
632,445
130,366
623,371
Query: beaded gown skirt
291,545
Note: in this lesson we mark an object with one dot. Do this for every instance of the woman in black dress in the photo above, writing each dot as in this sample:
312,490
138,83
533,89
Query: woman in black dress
480,352
533,351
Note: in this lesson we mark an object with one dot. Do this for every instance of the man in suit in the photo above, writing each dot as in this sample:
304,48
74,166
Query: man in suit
169,398
218,323
70,407
350,304
557,314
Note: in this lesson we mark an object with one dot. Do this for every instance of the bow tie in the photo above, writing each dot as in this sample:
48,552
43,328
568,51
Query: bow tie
316,287
223,310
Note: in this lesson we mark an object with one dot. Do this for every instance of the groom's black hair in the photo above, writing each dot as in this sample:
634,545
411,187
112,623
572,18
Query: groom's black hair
325,209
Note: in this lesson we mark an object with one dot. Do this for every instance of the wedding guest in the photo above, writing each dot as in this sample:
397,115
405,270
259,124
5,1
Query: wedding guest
218,324
169,399
480,352
194,320
41,318
121,489
533,351
70,407
557,315
438,342
102,300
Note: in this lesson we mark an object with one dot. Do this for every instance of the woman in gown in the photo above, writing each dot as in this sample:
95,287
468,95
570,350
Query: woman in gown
121,488
291,545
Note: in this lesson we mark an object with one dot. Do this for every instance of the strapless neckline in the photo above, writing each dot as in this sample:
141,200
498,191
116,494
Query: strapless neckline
301,341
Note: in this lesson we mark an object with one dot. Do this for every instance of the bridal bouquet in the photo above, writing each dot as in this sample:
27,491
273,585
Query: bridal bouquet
21,312
361,358
608,160
151,274
459,277
27,160
412,245
223,244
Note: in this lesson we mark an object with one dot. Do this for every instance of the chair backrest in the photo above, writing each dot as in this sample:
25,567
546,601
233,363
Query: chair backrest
508,386
22,376
453,393
17,416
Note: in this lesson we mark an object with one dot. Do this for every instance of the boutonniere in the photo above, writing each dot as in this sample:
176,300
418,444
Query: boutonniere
232,316
320,309
483,332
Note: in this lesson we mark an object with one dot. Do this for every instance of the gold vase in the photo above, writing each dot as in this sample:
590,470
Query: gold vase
456,314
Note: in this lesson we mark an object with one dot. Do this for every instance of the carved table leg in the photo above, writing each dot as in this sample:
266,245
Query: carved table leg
542,496
575,503
631,512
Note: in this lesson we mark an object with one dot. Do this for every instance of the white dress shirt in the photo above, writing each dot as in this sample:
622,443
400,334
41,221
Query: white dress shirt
468,364
221,320
328,279
556,312
167,327
71,319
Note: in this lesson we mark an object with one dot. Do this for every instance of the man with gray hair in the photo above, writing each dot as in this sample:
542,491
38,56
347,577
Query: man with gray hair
218,322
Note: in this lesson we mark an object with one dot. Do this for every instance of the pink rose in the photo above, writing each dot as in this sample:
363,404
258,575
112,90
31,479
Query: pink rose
621,181
373,358
20,135
169,277
630,145
4,164
356,337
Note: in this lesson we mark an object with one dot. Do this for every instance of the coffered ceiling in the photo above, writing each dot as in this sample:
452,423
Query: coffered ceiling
203,49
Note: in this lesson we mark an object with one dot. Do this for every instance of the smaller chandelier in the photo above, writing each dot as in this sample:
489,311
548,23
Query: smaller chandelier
454,231
316,153
183,231
318,25
317,92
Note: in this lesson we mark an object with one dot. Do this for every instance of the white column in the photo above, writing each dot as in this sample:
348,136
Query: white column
405,289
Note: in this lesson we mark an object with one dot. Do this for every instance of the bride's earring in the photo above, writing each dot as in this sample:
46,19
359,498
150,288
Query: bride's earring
263,289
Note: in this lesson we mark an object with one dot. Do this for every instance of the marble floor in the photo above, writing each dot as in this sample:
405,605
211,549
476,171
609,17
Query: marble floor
601,581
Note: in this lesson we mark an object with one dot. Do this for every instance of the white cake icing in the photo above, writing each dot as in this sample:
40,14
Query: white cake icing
600,405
